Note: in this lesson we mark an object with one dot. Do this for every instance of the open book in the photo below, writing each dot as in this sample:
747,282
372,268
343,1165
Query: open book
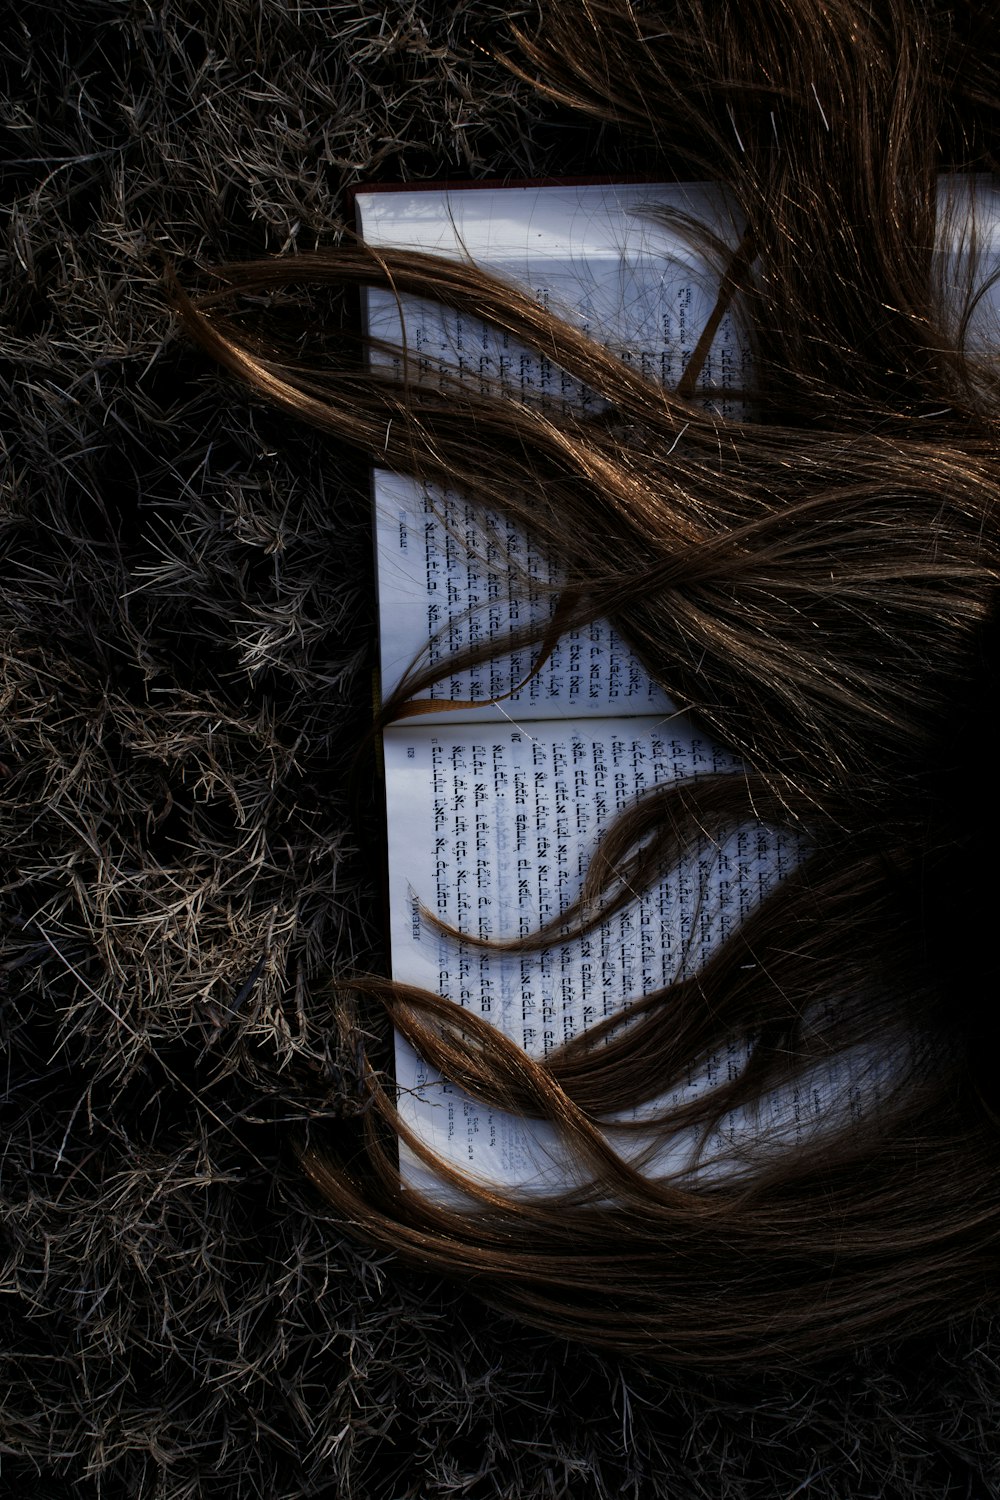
494,812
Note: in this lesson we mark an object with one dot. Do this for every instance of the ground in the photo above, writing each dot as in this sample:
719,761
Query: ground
191,848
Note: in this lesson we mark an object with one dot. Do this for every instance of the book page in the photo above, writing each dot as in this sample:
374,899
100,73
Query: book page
601,258
605,258
968,258
649,313
492,831
546,221
453,579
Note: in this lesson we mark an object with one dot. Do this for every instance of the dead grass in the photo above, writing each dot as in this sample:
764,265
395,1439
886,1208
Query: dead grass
185,641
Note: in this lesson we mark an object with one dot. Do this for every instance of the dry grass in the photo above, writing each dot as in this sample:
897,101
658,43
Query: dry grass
185,637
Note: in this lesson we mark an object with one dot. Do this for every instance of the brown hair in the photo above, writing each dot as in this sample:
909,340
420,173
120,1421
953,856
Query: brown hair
816,587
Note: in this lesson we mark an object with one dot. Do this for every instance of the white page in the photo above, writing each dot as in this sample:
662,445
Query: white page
542,220
600,256
650,312
491,830
969,255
